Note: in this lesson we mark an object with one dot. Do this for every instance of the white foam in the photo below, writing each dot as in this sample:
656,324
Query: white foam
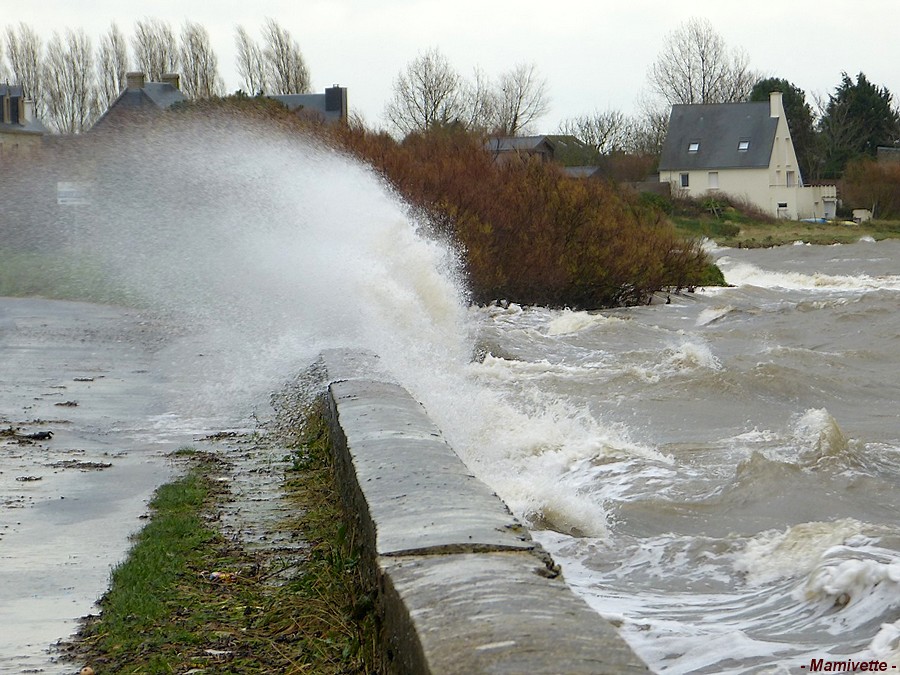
845,581
711,314
793,552
568,321
818,436
747,274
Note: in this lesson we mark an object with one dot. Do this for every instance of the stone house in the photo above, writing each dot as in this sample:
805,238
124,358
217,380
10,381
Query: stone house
743,150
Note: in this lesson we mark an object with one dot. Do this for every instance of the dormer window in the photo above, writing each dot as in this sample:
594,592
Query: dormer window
694,147
743,146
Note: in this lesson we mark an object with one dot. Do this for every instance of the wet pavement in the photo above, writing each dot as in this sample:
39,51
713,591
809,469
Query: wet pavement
88,410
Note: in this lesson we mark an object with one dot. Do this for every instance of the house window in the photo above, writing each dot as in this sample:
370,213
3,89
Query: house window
694,147
743,146
791,178
713,180
685,180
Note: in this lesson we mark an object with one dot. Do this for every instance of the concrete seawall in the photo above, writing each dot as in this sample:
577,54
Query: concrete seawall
462,587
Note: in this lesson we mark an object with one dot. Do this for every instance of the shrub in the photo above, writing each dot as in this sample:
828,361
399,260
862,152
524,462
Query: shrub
531,234
868,184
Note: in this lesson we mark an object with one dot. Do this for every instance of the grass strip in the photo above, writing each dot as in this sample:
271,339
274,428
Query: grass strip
189,600
748,234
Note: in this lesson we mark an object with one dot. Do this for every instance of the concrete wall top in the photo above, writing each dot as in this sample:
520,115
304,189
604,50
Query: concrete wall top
463,588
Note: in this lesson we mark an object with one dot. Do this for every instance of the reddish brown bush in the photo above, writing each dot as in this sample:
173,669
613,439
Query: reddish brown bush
532,235
871,185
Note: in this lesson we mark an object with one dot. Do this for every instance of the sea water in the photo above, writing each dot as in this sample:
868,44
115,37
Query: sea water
717,476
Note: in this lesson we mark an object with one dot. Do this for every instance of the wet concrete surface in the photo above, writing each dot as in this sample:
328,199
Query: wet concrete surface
105,382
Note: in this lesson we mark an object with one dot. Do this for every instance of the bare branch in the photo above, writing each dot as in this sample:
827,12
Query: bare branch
199,65
523,99
112,64
155,51
25,53
251,63
426,94
696,66
71,90
286,65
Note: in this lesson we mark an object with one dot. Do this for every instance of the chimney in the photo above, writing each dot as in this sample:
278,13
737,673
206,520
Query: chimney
27,111
134,80
336,100
776,107
172,78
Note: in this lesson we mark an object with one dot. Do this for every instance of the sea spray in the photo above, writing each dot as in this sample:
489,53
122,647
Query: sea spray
271,247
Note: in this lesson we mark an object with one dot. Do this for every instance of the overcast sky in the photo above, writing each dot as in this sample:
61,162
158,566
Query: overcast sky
594,54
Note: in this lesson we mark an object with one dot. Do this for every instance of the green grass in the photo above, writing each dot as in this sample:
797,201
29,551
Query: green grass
747,233
166,612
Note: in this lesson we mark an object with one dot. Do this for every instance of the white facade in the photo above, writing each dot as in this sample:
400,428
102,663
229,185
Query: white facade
776,189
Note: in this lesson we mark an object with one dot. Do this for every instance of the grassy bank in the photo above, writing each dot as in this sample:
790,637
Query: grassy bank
759,234
749,233
188,599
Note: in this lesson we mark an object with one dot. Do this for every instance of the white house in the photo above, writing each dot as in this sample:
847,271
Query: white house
743,150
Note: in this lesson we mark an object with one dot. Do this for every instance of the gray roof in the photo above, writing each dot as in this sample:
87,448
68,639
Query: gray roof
519,143
163,94
153,94
315,102
719,129
581,171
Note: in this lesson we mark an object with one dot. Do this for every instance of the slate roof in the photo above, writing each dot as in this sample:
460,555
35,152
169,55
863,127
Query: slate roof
719,129
163,94
159,95
519,143
581,171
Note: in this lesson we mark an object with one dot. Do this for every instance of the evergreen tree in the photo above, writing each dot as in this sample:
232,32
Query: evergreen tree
857,119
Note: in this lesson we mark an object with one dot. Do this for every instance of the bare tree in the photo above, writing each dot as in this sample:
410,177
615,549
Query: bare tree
479,102
154,48
426,94
199,65
607,131
69,76
251,63
24,49
696,66
112,64
286,65
523,99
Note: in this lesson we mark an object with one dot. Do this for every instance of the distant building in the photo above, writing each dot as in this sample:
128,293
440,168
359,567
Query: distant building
887,155
517,148
743,150
330,106
20,131
140,99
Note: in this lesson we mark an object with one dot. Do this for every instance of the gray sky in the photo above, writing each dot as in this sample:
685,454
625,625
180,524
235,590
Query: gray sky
594,54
